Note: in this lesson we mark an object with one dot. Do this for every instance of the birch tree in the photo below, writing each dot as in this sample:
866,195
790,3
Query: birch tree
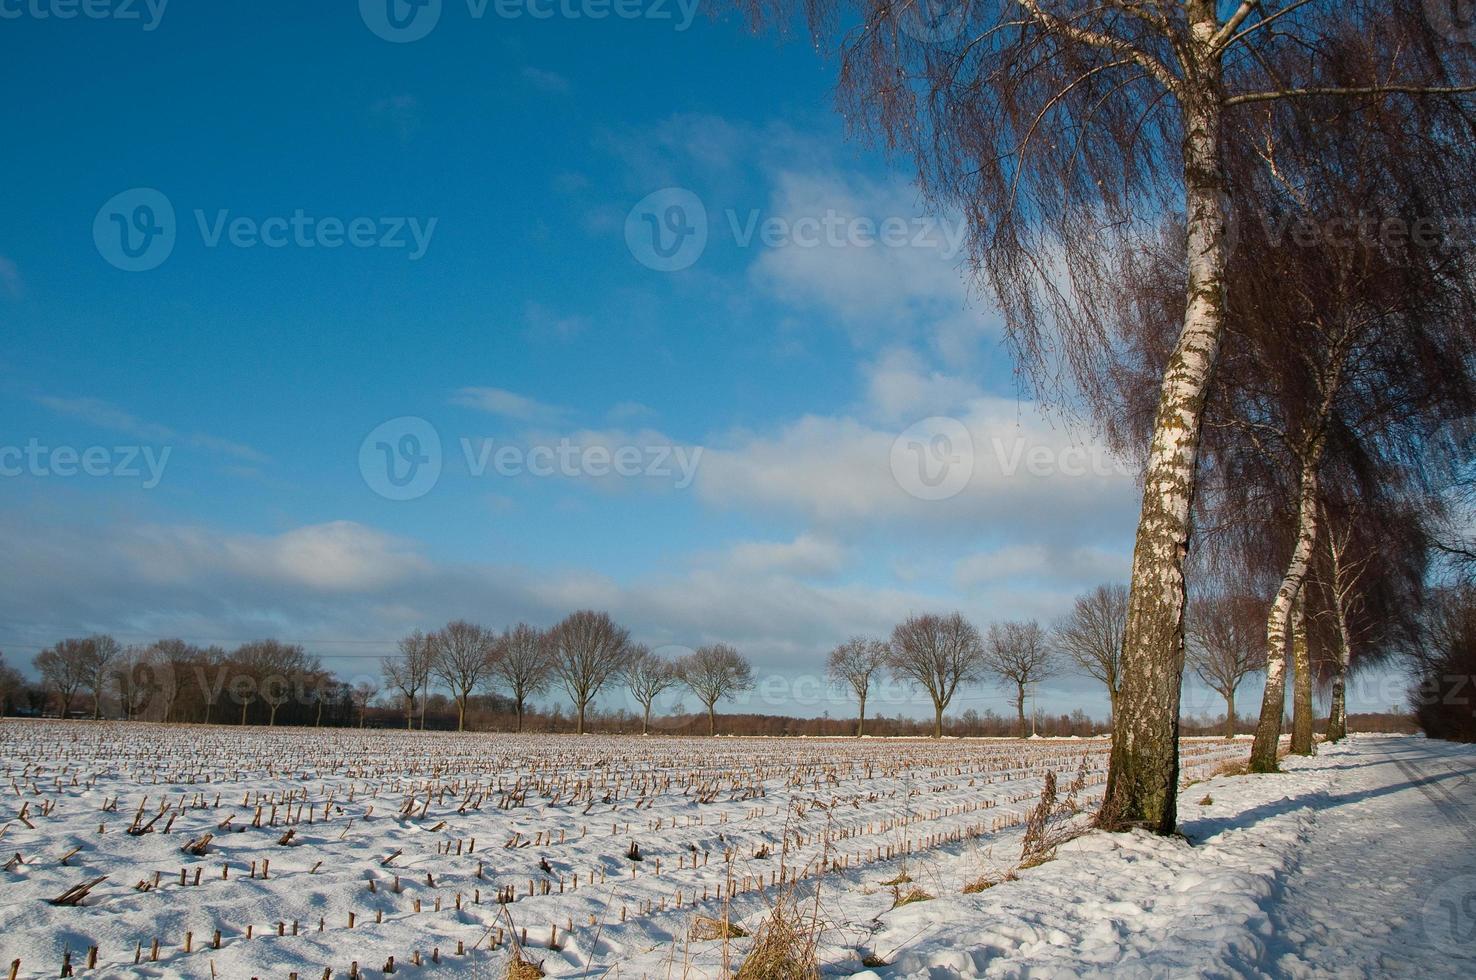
1062,132
937,654
854,663
712,673
587,651
1342,584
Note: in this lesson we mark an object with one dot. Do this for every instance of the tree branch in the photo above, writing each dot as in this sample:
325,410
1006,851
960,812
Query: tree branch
1107,42
1303,93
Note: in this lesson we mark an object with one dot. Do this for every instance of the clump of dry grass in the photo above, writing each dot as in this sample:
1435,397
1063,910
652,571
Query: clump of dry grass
988,880
901,898
521,969
785,947
705,928
1052,823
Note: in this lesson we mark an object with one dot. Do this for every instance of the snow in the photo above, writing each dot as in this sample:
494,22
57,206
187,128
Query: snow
1342,866
1298,874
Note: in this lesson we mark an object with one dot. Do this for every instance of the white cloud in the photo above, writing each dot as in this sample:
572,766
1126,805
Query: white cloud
899,386
546,81
508,404
805,555
837,470
104,415
11,283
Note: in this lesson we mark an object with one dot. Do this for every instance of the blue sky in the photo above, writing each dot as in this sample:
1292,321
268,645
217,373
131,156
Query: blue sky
822,317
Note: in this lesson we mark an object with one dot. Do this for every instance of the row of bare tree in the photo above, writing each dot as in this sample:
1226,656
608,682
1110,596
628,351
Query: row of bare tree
584,653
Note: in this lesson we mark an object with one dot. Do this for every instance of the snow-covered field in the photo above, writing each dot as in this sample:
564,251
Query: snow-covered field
1355,863
418,835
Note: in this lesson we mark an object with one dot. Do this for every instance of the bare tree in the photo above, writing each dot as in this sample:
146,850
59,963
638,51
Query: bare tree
1225,643
1063,131
102,652
65,668
936,653
646,677
524,666
1018,655
1091,635
855,662
363,695
406,673
276,670
587,650
461,656
11,684
713,673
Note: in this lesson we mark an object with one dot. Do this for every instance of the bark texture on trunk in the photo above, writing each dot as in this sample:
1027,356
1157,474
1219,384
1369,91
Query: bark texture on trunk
1020,707
1143,776
1301,740
1273,704
937,720
861,718
1230,715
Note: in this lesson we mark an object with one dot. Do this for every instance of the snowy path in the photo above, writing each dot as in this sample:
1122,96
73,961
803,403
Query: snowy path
1386,885
1360,862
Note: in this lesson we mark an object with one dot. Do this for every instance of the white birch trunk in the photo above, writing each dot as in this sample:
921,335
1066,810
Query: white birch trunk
1142,779
1273,703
